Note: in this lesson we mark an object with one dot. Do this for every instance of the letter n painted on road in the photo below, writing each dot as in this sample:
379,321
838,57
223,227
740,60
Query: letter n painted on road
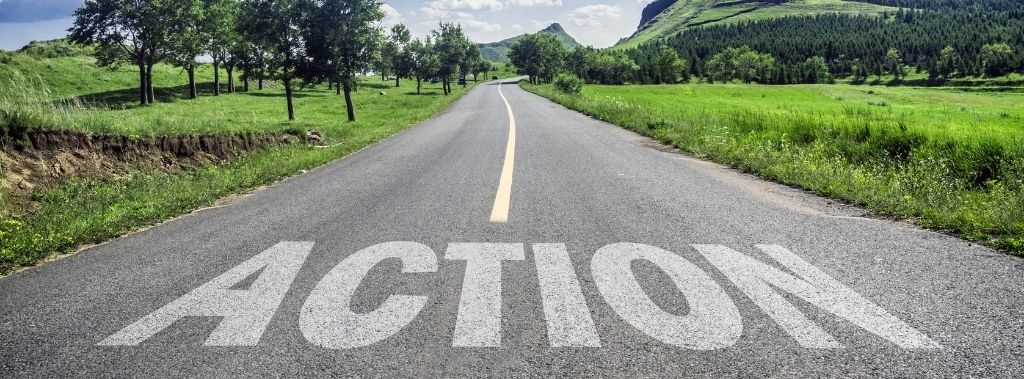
246,312
479,321
762,284
713,321
327,319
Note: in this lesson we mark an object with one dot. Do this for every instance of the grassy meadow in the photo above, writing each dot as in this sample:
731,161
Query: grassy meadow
945,158
70,92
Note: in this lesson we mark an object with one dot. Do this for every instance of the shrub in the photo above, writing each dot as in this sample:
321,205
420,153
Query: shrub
569,83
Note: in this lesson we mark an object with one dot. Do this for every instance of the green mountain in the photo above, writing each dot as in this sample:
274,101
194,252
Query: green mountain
498,51
664,18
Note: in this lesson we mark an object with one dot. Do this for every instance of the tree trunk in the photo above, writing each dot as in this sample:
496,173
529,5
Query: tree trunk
192,93
348,102
143,88
337,87
259,83
150,92
398,81
418,81
216,77
245,82
288,95
231,78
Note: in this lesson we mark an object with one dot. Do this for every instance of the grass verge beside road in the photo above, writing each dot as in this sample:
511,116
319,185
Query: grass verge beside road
947,159
87,211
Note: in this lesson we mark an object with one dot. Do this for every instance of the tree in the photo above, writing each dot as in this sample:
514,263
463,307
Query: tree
816,71
949,62
451,45
219,20
425,63
540,56
125,30
894,64
187,39
274,26
996,59
482,68
668,67
340,37
401,59
470,61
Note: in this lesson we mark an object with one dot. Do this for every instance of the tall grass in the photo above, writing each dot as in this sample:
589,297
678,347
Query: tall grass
27,103
967,182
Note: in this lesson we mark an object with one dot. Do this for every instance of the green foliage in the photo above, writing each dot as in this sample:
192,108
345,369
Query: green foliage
569,83
58,48
857,47
452,48
739,63
605,66
997,59
922,157
540,56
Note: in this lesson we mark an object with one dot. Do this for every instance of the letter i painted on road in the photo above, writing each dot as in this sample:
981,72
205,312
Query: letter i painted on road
246,312
565,309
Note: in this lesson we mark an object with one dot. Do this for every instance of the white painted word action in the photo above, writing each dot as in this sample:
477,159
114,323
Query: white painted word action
712,321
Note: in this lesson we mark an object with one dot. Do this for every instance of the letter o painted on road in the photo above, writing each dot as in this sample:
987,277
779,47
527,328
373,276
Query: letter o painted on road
713,321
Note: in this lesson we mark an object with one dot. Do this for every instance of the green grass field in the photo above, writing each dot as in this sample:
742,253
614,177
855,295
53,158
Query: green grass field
948,159
86,210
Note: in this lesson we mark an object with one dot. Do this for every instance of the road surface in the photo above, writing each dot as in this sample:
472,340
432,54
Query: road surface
544,243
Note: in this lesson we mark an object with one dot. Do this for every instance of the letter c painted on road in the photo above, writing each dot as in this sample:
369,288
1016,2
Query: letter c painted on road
327,319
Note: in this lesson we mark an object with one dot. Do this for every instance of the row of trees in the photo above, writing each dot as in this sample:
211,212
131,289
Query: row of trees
542,57
295,42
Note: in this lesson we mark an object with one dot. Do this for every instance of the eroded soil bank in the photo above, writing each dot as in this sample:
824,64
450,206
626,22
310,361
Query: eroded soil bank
37,159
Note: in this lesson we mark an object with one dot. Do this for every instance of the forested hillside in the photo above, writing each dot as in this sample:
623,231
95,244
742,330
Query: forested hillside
944,42
663,19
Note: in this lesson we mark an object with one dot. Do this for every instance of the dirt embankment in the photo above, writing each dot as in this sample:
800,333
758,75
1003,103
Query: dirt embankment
37,159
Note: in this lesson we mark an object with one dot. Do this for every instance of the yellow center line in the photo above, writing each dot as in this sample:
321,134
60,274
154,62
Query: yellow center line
499,213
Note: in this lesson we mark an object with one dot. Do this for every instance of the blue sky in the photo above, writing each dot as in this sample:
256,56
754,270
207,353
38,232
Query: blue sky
595,22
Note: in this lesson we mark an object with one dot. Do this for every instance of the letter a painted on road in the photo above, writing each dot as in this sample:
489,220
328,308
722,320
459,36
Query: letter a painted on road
246,312
327,319
713,321
763,283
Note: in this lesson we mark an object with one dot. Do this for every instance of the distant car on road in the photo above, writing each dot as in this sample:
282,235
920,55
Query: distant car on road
433,80
495,77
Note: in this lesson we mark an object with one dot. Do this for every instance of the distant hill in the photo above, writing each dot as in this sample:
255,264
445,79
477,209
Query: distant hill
498,51
664,18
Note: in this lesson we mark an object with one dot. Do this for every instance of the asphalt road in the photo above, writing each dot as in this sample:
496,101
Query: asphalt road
615,258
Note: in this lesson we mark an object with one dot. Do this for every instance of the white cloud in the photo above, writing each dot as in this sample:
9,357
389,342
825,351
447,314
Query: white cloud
464,4
591,14
536,3
391,15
